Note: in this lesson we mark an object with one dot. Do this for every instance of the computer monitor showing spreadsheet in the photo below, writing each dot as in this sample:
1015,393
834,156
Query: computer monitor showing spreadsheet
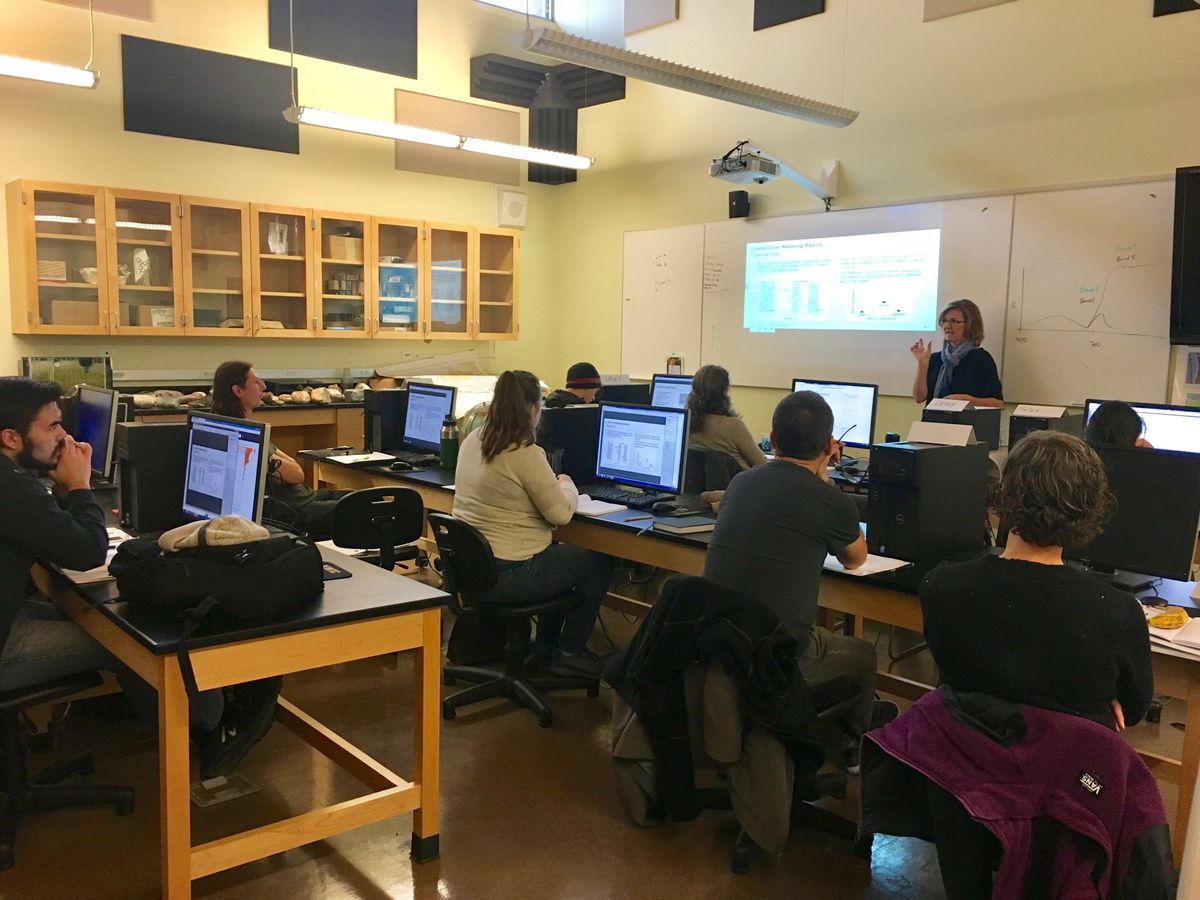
670,391
853,408
428,406
1167,427
96,415
226,466
643,446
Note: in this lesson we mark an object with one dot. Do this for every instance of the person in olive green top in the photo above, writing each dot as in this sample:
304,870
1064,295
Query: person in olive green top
714,424
238,391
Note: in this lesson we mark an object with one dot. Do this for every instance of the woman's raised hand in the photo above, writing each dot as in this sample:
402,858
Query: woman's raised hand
921,351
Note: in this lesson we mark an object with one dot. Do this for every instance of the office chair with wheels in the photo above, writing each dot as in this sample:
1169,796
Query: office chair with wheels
384,519
469,569
21,793
708,470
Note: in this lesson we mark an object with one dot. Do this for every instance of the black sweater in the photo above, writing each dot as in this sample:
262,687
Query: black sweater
1048,636
35,526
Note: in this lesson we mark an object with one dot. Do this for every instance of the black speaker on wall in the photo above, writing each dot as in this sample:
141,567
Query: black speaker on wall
739,204
1185,273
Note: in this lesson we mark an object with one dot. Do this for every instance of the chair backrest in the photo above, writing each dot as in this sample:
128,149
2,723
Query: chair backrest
468,565
708,470
378,519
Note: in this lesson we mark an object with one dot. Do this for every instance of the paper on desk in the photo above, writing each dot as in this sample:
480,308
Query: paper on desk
96,575
353,459
873,566
589,507
1186,638
347,551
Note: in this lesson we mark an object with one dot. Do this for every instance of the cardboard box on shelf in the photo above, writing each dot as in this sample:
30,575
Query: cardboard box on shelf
347,248
52,270
74,312
156,316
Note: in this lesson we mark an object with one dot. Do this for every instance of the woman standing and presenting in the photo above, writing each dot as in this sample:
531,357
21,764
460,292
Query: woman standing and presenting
963,370
505,487
714,424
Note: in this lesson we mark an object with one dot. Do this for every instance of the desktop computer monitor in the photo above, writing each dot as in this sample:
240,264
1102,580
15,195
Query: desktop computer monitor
428,406
625,393
643,446
96,414
570,436
225,468
670,391
1167,427
1153,530
853,408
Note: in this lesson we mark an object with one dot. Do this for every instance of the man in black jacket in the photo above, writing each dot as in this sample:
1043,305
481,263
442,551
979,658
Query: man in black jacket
583,381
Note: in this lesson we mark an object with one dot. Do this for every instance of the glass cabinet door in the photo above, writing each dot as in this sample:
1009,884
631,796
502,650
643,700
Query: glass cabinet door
449,286
282,253
495,315
216,253
68,270
342,290
399,280
144,255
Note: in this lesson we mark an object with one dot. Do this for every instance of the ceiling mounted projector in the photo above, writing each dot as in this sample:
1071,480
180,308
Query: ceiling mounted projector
749,163
745,168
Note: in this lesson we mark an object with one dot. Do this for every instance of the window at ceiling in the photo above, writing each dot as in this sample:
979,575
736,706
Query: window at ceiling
542,9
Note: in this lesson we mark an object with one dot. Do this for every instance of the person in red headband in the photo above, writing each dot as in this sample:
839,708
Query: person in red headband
583,381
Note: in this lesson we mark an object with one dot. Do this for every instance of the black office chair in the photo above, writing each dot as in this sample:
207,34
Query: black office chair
383,519
708,470
20,793
469,569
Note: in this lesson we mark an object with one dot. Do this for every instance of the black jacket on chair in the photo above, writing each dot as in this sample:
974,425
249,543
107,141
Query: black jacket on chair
696,620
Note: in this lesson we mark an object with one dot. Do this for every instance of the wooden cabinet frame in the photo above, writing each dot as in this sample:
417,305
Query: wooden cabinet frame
157,241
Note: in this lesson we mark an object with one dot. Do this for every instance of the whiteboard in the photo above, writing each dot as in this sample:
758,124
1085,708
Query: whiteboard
661,291
1089,295
973,263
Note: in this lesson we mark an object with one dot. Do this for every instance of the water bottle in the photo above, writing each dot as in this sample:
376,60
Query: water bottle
449,443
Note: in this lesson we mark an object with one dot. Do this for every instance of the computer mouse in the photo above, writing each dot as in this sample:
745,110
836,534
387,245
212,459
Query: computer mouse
400,466
663,507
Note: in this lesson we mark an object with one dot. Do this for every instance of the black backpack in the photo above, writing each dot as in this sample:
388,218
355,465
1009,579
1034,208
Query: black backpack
255,582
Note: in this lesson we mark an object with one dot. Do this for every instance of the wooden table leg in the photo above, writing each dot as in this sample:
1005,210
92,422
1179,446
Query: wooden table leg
173,783
427,736
1188,764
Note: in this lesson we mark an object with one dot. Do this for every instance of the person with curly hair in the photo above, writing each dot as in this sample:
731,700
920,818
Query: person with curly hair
1024,627
714,425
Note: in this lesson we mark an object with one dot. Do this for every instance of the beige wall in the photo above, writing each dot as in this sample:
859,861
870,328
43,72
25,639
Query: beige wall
1019,96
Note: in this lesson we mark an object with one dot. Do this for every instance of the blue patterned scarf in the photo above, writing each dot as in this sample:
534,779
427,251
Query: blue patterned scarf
951,357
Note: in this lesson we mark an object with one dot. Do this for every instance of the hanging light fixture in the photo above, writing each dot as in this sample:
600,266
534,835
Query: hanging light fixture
574,49
36,70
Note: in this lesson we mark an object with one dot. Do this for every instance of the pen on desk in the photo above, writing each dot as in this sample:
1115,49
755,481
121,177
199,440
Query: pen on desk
637,518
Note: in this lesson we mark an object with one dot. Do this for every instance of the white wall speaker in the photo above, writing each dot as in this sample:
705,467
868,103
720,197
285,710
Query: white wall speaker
511,208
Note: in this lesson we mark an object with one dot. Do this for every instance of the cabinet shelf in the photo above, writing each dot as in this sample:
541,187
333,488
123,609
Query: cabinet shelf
66,284
507,272
145,287
341,296
448,268
282,257
282,293
197,251
448,302
134,242
341,262
44,235
235,292
494,303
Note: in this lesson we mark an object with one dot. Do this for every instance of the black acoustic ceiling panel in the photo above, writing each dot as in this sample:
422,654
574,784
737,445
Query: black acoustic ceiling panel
552,94
1167,7
369,34
775,12
183,92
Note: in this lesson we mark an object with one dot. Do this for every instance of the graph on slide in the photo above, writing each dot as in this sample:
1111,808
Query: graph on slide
1105,306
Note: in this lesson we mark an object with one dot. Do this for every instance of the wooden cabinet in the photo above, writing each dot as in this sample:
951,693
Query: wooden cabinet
94,260
216,267
58,258
142,234
282,252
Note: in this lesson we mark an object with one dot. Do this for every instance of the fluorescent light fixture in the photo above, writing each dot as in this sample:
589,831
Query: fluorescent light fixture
63,220
308,115
571,48
18,67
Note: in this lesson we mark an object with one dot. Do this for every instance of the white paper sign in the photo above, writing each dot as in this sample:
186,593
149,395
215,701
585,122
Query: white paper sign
941,433
614,379
1040,412
944,404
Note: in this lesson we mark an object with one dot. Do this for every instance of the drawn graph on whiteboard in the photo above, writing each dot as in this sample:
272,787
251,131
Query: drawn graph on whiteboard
1102,306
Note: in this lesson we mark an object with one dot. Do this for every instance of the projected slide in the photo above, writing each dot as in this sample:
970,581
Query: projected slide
872,282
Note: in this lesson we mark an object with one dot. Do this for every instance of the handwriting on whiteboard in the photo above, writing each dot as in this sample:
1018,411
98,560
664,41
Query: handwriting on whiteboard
661,272
713,267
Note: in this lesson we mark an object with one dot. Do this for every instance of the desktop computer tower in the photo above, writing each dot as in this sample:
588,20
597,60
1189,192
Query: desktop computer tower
926,502
984,419
1019,426
151,458
383,418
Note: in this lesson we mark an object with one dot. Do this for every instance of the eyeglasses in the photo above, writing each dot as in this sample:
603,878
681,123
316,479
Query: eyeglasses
954,322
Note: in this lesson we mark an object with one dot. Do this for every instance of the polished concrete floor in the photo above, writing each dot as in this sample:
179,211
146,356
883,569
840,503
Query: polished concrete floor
526,813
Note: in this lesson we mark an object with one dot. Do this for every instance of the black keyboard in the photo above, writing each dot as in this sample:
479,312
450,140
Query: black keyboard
416,459
632,499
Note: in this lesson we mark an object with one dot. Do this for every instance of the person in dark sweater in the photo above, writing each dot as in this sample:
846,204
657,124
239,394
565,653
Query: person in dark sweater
583,381
962,370
1024,627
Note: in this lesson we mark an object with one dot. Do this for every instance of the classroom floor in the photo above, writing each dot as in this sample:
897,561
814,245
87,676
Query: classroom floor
526,812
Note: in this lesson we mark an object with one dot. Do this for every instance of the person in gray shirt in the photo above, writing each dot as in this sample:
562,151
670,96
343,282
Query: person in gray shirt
776,524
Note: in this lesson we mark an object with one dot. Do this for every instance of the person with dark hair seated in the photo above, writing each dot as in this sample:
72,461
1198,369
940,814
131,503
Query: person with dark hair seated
1023,626
777,523
1116,424
236,392
714,425
583,382
505,487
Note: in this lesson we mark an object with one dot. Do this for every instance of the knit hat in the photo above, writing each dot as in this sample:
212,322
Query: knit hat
219,532
583,375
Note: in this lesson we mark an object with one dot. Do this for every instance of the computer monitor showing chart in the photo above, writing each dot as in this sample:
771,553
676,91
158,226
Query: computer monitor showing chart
853,408
670,391
1167,427
96,414
226,466
428,406
644,446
